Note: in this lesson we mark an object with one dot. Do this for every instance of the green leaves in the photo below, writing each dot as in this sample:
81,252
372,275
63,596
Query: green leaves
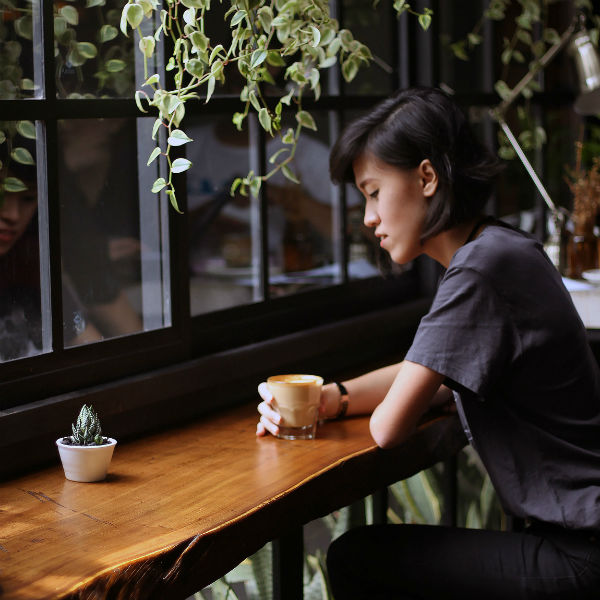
178,138
297,37
306,120
87,49
180,164
107,33
13,184
153,155
70,14
158,185
115,65
87,430
258,57
146,46
22,156
132,14
26,129
425,19
265,119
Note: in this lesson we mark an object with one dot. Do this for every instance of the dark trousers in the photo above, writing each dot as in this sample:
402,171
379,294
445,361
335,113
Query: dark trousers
418,562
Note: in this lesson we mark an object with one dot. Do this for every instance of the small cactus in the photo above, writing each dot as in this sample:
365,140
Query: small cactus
87,430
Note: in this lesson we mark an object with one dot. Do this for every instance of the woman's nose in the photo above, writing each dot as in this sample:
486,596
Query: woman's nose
9,208
371,218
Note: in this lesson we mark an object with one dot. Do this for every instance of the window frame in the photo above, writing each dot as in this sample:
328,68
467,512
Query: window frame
159,378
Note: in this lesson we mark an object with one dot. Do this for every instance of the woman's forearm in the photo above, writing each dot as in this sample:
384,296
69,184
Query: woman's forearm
364,392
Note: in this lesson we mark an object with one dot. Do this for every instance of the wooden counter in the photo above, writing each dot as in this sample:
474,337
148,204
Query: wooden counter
181,508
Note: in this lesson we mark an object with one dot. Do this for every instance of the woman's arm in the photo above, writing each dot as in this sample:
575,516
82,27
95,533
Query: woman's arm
365,393
414,391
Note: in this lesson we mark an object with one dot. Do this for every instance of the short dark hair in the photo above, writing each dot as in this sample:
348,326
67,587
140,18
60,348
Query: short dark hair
417,124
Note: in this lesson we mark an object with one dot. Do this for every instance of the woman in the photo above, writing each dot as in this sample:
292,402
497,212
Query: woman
503,341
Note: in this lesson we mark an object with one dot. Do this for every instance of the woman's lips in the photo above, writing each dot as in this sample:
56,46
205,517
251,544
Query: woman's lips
7,235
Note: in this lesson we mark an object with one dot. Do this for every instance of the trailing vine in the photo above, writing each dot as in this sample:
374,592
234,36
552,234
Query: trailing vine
298,36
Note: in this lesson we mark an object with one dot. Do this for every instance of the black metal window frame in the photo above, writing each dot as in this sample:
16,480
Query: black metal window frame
154,379
56,378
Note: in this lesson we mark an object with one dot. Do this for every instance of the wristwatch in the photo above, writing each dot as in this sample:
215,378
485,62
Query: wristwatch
343,405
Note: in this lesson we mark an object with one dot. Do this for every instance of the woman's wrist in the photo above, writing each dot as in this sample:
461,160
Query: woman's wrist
335,401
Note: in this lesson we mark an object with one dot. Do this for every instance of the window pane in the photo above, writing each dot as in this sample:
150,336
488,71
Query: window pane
477,73
223,266
301,217
20,50
374,27
365,257
22,327
114,247
93,58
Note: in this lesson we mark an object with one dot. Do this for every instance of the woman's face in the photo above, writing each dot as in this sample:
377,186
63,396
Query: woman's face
396,203
16,212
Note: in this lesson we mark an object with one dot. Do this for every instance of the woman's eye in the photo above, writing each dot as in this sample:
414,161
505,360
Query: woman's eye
374,194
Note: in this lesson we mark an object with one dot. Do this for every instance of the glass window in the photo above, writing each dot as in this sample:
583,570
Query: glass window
93,58
113,247
24,326
223,258
375,27
301,216
20,47
477,73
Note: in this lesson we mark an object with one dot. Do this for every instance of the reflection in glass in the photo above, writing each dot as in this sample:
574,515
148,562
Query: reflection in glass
21,327
373,26
477,73
114,276
301,217
223,270
364,255
93,58
20,49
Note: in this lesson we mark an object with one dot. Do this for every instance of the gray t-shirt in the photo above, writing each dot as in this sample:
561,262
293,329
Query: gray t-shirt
505,333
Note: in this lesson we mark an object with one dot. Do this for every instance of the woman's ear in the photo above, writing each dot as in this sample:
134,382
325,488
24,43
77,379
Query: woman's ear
429,178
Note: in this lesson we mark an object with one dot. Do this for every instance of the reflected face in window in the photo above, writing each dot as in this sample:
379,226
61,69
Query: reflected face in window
16,212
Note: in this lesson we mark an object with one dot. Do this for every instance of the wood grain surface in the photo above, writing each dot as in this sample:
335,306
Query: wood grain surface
181,508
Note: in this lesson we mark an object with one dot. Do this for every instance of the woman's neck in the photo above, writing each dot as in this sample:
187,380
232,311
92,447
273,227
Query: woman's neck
444,245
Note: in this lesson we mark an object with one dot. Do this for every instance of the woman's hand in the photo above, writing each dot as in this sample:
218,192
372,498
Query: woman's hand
270,418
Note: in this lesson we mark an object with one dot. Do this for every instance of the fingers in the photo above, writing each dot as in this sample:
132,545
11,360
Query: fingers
265,426
269,418
264,392
267,411
260,430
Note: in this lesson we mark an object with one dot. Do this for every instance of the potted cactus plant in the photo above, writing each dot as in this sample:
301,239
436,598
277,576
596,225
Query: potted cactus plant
86,454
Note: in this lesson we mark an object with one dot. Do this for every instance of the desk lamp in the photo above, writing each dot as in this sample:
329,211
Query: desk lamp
587,64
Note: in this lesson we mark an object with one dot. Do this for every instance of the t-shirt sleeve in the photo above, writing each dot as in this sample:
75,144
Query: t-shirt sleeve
467,334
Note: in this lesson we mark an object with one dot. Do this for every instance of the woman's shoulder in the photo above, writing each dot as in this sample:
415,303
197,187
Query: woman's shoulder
499,246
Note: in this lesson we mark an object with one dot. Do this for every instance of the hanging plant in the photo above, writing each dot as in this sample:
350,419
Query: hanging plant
298,36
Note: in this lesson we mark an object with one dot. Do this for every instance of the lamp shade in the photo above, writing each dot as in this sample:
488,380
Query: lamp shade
587,63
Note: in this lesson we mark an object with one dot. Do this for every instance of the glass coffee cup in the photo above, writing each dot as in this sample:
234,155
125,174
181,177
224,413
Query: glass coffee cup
296,398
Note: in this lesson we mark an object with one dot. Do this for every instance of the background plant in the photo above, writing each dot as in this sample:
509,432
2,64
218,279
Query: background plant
91,60
413,500
522,47
298,37
13,141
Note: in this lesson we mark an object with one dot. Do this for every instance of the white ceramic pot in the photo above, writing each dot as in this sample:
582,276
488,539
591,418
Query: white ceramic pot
86,463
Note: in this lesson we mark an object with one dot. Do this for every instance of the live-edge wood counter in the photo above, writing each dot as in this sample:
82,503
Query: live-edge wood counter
181,508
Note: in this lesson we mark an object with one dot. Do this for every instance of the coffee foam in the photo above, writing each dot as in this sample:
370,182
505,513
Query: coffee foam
296,379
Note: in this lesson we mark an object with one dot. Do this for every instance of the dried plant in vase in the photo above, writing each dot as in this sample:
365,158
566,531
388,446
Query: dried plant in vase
582,250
